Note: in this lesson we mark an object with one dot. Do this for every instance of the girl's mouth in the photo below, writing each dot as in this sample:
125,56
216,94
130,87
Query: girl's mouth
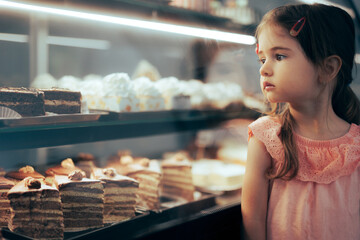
268,86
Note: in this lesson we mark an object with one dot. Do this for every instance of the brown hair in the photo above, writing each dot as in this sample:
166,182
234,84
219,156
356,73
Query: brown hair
328,31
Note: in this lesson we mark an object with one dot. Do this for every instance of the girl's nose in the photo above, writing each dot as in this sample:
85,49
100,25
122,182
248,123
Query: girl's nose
265,70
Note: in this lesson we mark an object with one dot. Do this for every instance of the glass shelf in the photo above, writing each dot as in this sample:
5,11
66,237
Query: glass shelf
60,130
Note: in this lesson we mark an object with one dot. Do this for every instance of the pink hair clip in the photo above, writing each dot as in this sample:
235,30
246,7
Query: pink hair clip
295,30
257,48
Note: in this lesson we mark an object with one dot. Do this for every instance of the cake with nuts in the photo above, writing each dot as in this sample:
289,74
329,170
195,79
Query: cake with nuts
120,193
148,178
82,201
35,210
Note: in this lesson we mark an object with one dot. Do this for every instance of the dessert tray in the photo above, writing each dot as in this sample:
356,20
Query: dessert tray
51,119
172,208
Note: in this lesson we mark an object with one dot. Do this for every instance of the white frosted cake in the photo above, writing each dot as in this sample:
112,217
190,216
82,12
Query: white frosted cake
115,92
149,96
214,174
172,91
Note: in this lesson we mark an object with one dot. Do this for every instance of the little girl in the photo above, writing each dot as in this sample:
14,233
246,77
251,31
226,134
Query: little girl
302,177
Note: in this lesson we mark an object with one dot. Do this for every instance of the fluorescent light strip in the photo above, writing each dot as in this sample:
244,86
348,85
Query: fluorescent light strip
163,27
9,37
78,42
60,41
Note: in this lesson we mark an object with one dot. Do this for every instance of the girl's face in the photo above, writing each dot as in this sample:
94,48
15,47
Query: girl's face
286,73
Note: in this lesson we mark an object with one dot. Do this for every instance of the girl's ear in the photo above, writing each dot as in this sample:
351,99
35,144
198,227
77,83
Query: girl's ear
331,68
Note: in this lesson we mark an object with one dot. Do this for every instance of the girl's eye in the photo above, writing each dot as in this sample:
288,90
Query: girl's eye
261,60
279,57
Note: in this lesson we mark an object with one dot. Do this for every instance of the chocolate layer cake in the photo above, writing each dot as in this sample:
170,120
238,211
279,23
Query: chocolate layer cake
62,101
177,178
119,195
82,201
27,171
36,210
5,186
26,102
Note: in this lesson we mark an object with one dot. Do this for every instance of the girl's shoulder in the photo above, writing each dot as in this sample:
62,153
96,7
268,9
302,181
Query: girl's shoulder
266,129
265,126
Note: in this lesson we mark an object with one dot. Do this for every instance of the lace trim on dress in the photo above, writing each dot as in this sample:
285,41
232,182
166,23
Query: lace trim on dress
319,161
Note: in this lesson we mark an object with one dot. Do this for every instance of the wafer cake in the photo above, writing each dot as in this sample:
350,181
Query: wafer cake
35,210
177,177
120,193
5,186
82,201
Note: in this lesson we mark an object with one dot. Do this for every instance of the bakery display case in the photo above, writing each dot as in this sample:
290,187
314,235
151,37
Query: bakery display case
84,45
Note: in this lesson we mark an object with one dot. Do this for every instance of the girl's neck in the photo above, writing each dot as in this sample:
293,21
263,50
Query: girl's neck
319,124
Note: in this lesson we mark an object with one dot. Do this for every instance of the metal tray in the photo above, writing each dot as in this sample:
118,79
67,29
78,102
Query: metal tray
52,119
145,222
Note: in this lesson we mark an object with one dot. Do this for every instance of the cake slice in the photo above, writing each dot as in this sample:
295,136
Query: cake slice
119,195
24,172
25,101
62,101
149,180
82,201
177,177
36,210
5,186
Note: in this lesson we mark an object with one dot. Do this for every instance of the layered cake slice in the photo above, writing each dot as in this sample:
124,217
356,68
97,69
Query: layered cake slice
24,172
82,201
62,101
36,210
177,177
27,102
5,186
148,178
119,195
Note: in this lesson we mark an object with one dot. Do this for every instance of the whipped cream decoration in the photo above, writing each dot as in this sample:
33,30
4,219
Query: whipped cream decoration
195,89
169,86
145,87
118,84
234,91
69,82
45,81
91,86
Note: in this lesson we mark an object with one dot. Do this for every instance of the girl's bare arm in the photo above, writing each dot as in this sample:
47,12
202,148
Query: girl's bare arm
255,190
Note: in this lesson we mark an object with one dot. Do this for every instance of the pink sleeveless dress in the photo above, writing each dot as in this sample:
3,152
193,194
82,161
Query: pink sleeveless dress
323,200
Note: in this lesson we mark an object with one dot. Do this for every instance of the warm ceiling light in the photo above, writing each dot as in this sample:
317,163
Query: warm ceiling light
164,27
